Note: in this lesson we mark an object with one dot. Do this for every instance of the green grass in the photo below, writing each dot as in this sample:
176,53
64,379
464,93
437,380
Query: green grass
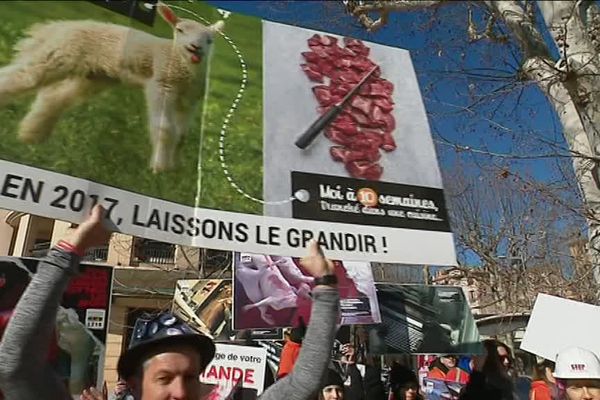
243,144
106,139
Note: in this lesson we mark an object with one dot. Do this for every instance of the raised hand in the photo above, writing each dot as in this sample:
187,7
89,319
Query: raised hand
348,353
94,394
315,262
91,232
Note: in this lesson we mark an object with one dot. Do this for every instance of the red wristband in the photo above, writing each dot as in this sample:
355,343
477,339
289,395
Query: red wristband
68,247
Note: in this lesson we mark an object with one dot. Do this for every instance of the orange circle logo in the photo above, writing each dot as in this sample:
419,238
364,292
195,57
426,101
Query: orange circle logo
367,197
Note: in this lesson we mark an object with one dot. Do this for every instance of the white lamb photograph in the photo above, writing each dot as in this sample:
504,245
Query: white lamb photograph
65,62
89,92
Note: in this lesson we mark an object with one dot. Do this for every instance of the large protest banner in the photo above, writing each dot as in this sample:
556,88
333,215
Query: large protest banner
272,291
236,372
192,131
77,350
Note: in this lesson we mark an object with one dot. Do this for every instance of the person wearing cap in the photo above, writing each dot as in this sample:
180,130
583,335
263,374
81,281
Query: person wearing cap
577,374
168,356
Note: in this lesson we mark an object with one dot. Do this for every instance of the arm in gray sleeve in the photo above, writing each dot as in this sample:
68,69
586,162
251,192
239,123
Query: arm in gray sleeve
305,379
24,370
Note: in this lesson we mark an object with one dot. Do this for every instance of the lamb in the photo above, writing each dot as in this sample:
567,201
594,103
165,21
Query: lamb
69,61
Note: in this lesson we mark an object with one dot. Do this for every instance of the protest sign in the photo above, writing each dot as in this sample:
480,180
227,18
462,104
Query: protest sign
273,291
78,348
435,389
212,162
421,319
551,326
205,304
236,369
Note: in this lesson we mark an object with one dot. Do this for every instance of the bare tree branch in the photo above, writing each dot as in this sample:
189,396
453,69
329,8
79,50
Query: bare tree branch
362,9
521,26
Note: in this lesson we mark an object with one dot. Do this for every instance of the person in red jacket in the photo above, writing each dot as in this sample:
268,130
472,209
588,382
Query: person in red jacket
444,368
291,350
543,386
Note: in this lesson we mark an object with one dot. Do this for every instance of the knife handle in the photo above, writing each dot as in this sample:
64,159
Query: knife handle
313,131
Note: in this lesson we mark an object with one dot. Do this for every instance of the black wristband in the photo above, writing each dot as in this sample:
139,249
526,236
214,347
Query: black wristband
326,280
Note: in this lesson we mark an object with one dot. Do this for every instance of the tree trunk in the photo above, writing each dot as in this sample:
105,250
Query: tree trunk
543,73
563,86
580,63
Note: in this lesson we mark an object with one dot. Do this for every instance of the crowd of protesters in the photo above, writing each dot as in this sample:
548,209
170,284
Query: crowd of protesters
165,359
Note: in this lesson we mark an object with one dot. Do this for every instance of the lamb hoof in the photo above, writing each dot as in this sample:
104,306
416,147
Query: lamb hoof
32,137
159,167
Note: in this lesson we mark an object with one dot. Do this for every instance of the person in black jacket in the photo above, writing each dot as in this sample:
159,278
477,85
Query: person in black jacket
404,383
490,379
368,388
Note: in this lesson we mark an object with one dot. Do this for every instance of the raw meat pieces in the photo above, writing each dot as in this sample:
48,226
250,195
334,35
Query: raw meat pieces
366,125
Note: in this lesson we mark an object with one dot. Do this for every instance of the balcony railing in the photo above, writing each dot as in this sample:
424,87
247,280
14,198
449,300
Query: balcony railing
40,249
149,252
96,254
155,253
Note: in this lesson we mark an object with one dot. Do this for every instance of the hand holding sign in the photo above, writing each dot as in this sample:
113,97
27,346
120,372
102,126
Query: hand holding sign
92,232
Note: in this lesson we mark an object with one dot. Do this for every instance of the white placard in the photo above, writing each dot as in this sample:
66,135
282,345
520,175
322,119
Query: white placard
556,324
237,364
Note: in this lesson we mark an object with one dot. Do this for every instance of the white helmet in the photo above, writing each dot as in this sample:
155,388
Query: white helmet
577,363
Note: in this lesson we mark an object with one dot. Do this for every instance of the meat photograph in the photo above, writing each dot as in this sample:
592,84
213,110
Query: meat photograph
272,291
364,127
354,112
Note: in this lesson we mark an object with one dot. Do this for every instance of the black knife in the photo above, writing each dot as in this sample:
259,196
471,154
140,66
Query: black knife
313,131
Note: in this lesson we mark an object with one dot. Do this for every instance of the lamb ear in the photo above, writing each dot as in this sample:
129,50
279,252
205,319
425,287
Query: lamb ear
166,13
217,26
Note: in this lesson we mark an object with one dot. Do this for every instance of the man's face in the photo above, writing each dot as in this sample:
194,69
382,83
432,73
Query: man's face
410,393
333,392
448,362
504,356
583,389
172,375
